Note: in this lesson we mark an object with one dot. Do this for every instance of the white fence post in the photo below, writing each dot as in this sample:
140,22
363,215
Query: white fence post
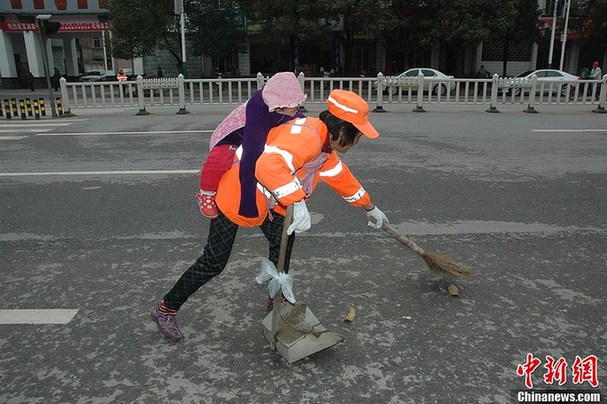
602,95
380,93
65,98
531,103
493,103
181,91
420,93
260,81
140,96
302,83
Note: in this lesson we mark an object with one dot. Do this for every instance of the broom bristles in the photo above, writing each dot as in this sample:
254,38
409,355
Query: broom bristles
445,266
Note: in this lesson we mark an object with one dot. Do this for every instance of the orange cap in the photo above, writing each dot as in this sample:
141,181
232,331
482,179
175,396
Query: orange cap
352,108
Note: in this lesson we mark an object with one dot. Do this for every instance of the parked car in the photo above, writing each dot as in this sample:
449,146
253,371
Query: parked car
93,75
544,78
431,75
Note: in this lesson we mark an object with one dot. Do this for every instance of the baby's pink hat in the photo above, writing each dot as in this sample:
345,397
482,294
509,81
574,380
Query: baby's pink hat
283,91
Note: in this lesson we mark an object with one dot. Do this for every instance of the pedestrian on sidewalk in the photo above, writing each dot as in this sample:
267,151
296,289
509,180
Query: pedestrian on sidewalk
56,78
296,155
596,74
30,79
482,73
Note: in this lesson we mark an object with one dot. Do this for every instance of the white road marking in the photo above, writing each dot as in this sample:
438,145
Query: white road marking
131,172
12,137
154,132
22,130
569,130
42,316
19,125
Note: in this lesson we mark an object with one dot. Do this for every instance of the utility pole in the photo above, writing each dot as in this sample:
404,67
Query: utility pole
43,28
179,10
556,3
564,37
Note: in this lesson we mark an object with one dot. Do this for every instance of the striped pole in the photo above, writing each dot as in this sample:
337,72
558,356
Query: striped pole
42,107
28,105
22,108
7,109
14,105
36,109
59,106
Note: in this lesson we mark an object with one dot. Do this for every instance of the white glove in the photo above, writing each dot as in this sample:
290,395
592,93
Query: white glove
379,216
301,218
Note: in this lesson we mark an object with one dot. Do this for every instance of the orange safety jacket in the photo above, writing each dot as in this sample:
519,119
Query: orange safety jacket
291,164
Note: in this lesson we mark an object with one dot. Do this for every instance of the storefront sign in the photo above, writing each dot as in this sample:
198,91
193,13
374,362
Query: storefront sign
8,26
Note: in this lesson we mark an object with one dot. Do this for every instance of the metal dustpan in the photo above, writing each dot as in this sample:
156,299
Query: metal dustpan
298,333
293,330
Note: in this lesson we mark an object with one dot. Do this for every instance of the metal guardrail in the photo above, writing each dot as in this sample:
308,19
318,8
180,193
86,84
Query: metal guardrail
380,90
494,91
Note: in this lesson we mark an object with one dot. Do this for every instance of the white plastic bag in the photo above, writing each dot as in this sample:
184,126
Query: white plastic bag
277,280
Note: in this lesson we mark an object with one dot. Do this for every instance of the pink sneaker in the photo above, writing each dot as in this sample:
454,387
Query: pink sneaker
167,325
206,202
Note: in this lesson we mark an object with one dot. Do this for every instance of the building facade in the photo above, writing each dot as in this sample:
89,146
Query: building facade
77,47
81,44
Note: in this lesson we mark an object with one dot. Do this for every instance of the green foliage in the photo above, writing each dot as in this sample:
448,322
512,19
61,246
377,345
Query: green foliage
216,32
215,28
591,18
308,20
140,26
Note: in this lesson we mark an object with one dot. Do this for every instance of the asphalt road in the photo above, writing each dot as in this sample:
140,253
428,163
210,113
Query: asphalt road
520,198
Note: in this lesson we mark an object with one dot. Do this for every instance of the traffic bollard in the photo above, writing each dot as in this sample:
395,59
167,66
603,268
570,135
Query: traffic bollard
36,109
14,106
28,105
22,108
42,107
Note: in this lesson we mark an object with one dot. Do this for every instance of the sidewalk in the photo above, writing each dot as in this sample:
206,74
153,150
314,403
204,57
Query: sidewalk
39,92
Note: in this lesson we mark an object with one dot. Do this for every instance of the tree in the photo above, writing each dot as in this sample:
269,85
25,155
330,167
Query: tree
320,21
370,18
451,24
589,17
140,27
292,19
523,27
217,29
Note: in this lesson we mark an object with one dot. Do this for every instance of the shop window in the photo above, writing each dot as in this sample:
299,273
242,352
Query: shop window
16,4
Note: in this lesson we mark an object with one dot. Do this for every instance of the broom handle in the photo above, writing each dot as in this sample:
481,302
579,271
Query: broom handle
392,232
282,255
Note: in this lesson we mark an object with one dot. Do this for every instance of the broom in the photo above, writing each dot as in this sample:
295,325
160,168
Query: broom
437,263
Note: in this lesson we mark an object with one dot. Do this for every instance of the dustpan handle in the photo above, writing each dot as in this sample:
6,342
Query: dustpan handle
282,255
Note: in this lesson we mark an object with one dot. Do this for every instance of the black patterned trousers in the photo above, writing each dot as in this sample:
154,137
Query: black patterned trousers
217,252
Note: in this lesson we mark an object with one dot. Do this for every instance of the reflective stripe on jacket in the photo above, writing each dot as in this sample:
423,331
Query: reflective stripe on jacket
281,167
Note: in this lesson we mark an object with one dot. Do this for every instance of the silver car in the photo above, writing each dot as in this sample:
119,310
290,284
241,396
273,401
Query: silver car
548,81
438,80
92,75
